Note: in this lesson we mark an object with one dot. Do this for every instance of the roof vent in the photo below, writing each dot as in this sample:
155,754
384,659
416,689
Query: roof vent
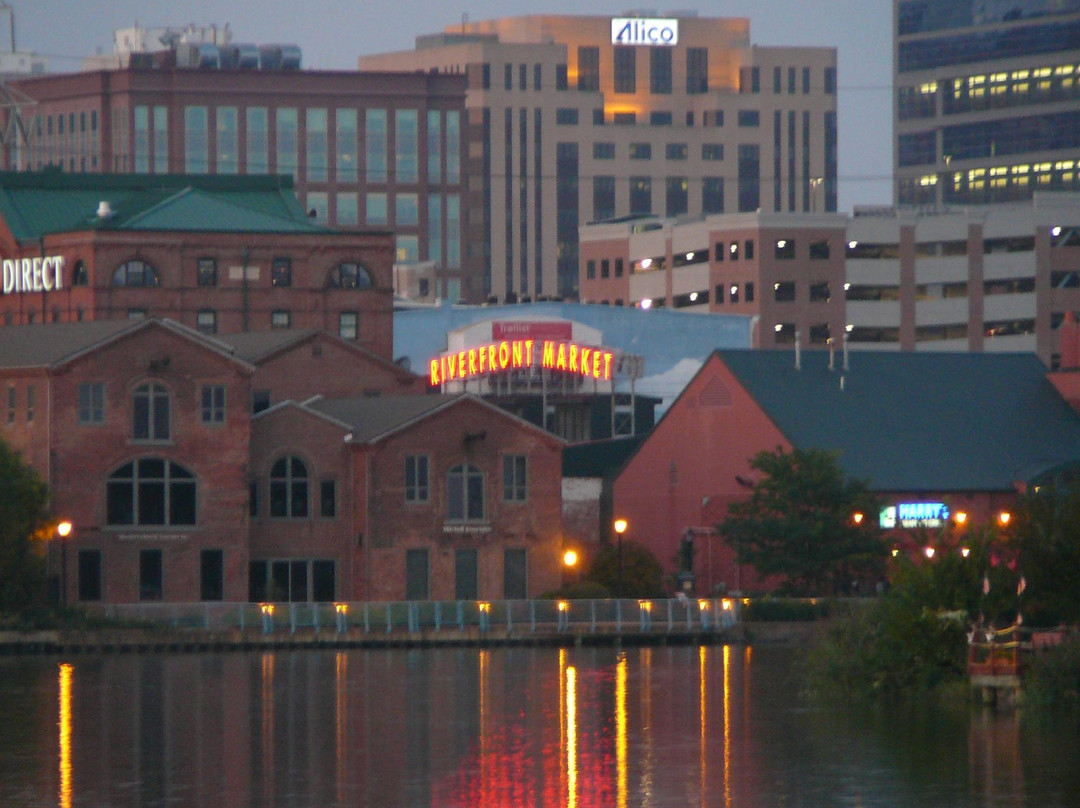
104,210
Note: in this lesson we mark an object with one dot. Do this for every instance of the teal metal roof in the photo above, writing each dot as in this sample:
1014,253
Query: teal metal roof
917,421
34,204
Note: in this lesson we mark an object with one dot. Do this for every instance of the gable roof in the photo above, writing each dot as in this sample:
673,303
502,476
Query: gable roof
375,417
909,421
50,344
33,204
259,346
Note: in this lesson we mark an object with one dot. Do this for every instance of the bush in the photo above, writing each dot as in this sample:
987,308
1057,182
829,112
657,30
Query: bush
779,610
1053,675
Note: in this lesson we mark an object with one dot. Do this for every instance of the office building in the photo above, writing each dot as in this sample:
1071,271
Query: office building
987,104
581,118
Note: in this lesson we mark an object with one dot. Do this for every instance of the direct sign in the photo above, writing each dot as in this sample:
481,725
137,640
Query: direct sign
644,31
22,275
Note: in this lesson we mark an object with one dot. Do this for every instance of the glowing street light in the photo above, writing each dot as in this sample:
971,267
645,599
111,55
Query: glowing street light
620,526
63,530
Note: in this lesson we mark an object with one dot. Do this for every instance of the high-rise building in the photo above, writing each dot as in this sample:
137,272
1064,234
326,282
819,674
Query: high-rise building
987,104
582,118
364,149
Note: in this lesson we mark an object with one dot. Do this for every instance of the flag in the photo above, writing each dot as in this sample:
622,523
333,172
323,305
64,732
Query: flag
986,585
1020,587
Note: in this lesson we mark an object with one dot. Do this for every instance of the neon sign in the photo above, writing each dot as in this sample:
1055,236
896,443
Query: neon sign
21,275
914,514
520,354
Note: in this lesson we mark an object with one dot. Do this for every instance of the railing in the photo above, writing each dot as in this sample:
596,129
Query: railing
443,617
995,652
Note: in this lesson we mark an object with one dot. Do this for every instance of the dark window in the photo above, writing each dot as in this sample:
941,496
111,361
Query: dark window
618,267
523,77
566,116
211,575
819,292
416,575
749,177
465,574
819,250
515,574
603,151
777,80
784,291
289,488
718,251
749,251
92,403
89,573
80,276
150,412
350,275
697,70
416,478
660,119
603,197
712,151
561,79
605,268
677,199
917,148
749,117
537,72
260,400
749,291
640,195
207,272
830,80
136,273
150,491
485,76
660,71
151,575
465,494
640,151
806,80
588,58
508,76
712,195
281,272
598,116
212,410
348,321
253,498
785,249
675,151
515,478
820,334
624,118
590,269
327,499
625,70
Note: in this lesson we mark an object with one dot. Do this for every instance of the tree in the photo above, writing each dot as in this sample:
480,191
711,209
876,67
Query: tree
800,523
641,575
1047,533
24,520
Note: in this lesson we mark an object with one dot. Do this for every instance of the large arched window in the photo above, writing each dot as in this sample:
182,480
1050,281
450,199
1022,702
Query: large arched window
135,273
151,491
465,494
350,275
150,412
289,488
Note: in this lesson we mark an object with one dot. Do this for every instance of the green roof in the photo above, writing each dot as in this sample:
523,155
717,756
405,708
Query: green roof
599,458
909,421
34,204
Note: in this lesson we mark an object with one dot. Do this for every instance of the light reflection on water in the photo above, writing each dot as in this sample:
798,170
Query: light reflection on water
716,727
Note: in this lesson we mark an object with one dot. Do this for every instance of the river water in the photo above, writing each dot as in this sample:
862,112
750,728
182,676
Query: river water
716,727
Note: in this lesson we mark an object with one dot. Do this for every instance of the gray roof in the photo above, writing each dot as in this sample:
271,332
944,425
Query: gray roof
370,418
256,345
914,421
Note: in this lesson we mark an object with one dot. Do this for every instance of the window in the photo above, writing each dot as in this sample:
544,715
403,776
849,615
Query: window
350,275
515,573
406,210
697,71
784,291
603,197
465,494
89,574
31,402
11,397
660,119
328,499
417,575
660,71
291,580
515,478
777,80
376,208
289,488
588,68
640,195
819,292
416,478
151,577
603,151
640,151
676,198
211,575
590,269
749,249
712,151
150,491
206,321
675,151
625,70
80,275
733,251
281,272
348,324
733,293
785,249
260,400
561,78
749,117
212,409
280,318
566,116
91,403
624,118
618,267
206,274
150,412
135,273
819,250
605,268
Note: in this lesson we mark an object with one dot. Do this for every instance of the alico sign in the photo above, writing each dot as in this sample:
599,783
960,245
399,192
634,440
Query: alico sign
644,31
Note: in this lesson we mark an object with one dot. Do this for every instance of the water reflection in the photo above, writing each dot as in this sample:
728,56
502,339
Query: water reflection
505,727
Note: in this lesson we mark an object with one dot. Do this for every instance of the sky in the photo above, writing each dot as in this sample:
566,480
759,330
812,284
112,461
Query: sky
333,33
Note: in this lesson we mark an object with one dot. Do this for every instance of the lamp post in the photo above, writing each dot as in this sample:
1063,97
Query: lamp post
570,560
620,528
63,530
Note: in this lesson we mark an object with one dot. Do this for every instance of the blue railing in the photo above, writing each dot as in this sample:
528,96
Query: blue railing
443,617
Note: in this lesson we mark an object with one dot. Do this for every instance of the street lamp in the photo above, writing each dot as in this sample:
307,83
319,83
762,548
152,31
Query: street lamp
620,528
63,530
570,561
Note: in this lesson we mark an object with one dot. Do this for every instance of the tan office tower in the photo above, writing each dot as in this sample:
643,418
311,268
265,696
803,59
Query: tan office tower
986,106
573,119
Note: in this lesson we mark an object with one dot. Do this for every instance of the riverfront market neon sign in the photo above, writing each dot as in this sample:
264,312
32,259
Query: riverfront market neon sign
521,354
23,275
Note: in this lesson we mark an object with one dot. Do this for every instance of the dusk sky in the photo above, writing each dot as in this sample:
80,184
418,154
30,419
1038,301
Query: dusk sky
332,33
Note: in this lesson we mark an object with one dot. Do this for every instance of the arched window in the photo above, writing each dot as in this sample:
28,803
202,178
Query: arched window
135,273
289,488
350,275
151,491
80,275
465,494
150,412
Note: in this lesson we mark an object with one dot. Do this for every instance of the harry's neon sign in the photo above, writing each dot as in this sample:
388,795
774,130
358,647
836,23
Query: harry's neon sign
519,354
